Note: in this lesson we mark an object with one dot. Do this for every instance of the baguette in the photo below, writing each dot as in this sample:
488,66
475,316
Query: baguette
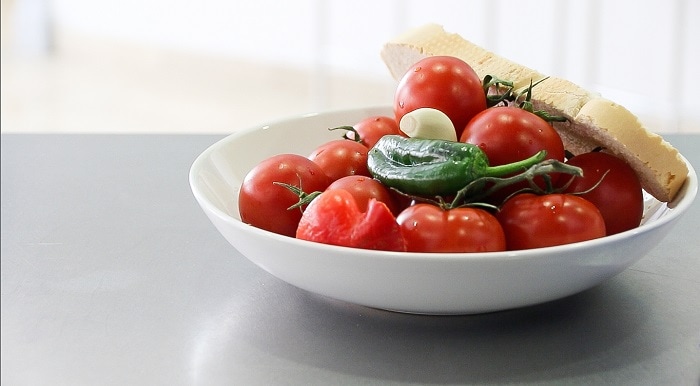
593,121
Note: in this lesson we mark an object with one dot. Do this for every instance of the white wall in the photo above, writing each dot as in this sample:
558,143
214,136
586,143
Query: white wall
642,54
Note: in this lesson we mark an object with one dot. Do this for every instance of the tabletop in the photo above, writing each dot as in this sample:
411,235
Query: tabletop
112,275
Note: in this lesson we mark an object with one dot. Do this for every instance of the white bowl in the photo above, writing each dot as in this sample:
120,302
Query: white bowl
451,283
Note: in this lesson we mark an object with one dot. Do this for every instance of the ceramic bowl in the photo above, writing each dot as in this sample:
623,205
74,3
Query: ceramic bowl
451,283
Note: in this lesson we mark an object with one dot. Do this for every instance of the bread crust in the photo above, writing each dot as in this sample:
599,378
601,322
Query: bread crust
593,121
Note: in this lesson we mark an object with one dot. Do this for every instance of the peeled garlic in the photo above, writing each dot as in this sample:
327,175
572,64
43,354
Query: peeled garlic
428,123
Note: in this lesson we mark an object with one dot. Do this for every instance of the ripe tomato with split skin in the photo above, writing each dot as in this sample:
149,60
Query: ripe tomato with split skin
334,217
364,189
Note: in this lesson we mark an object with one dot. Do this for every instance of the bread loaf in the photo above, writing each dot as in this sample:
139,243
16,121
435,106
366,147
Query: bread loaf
593,121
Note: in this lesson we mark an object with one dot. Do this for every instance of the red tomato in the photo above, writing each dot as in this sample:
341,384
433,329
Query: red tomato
334,218
510,134
340,158
535,221
618,196
402,201
444,83
264,204
372,128
429,228
364,189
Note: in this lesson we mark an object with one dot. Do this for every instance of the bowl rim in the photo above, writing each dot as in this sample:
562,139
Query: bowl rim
677,207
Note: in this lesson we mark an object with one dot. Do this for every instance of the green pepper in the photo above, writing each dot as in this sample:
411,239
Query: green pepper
434,167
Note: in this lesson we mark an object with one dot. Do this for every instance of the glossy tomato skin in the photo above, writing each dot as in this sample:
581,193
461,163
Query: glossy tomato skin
429,228
364,189
618,196
509,134
334,218
371,129
444,83
341,157
536,221
263,204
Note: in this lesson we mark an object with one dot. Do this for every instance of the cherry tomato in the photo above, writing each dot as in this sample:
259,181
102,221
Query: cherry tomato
264,204
429,228
535,221
334,218
364,189
444,83
372,128
341,157
509,134
618,195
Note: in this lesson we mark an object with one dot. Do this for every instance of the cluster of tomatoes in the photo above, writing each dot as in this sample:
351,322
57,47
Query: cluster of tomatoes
329,196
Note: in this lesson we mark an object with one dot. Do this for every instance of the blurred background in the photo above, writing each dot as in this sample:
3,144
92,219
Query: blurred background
213,66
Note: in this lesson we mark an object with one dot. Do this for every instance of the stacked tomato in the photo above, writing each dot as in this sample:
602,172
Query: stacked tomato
330,197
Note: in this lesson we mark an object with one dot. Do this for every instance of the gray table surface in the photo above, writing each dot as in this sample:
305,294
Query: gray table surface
112,275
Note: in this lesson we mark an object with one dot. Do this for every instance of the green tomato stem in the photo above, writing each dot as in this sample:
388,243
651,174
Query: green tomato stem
304,198
502,170
476,190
